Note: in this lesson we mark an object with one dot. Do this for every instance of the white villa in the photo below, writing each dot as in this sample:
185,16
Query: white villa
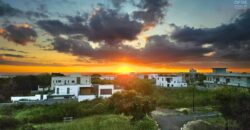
75,79
220,76
107,77
171,81
72,87
84,92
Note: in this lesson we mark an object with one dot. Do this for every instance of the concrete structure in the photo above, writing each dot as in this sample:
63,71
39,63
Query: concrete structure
70,80
37,97
84,92
220,76
152,76
107,77
171,81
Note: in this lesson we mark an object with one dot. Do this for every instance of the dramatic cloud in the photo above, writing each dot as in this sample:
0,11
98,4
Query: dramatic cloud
7,10
110,26
157,50
73,46
11,50
13,55
56,27
105,25
229,41
152,11
20,34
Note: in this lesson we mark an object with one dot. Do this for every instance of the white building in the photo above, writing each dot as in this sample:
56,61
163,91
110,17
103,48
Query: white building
220,76
171,81
37,97
107,77
70,80
84,92
152,76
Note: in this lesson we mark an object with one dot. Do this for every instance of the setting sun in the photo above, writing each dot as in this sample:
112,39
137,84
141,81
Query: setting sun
124,69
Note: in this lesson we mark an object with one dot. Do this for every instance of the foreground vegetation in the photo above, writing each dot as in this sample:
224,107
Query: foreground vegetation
102,122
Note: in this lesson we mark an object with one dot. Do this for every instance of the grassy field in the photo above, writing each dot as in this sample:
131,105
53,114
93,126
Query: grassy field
101,122
183,97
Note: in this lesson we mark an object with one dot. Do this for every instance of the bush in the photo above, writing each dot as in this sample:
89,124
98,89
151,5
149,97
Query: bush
146,124
132,103
7,122
27,127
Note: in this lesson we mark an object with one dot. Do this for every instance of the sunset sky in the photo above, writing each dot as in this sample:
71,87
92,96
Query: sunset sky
123,35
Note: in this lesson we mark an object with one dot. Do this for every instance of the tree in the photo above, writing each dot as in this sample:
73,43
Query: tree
132,103
234,104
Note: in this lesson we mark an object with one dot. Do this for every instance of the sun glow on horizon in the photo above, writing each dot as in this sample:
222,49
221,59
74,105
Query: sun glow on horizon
124,69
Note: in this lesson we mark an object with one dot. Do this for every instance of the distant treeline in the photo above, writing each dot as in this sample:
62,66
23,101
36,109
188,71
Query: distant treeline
23,85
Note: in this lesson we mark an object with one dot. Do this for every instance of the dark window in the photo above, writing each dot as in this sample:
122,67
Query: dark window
57,90
78,80
87,91
106,91
168,85
227,80
73,81
68,90
168,80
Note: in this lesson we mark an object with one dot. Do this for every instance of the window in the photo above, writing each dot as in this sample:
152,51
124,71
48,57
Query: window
78,80
106,91
68,90
57,90
73,81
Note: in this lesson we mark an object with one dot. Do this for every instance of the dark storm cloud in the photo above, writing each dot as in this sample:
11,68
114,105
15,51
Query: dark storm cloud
11,50
73,46
7,10
56,27
118,3
110,26
13,55
20,34
152,11
231,41
105,25
159,48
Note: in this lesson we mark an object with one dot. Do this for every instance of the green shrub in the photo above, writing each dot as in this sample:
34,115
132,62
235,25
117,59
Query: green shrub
7,122
146,124
28,127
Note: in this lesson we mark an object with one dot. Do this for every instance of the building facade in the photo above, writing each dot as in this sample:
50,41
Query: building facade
84,92
171,81
70,80
220,76
107,77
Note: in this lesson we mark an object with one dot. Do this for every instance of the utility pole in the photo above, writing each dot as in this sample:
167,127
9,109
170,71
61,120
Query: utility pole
193,94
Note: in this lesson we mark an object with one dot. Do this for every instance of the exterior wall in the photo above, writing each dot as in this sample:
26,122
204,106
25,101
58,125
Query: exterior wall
152,76
107,86
107,77
171,81
69,80
86,97
231,79
73,89
33,98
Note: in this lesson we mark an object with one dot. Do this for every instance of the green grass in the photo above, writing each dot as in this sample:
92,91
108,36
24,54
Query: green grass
102,122
182,97
220,122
